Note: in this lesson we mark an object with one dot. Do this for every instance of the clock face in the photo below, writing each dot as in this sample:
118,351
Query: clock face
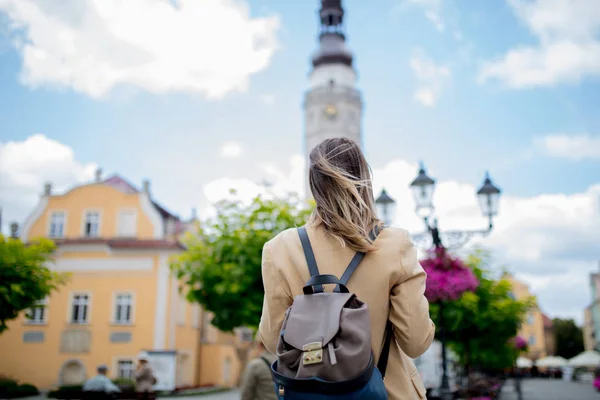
330,111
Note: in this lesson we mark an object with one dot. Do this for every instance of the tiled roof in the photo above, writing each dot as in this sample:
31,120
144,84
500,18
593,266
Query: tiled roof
124,243
547,321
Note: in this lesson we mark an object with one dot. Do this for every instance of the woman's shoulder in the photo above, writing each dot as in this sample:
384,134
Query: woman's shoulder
285,236
396,235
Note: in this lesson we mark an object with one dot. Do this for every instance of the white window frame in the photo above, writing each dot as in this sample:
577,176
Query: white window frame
530,319
531,341
116,304
38,304
119,220
72,307
64,223
84,222
117,368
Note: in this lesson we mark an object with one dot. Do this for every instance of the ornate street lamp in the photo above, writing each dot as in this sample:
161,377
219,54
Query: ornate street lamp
385,206
423,187
489,199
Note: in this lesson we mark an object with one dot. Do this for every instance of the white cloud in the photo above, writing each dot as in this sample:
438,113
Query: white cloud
574,147
25,167
268,99
210,47
431,77
231,149
568,48
433,11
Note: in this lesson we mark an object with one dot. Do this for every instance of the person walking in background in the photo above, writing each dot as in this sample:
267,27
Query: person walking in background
144,378
258,381
101,384
389,280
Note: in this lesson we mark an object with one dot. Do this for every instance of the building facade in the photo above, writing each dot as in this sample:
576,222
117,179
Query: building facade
532,328
332,104
115,242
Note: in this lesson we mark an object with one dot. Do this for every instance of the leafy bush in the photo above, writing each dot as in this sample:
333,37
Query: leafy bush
25,390
65,392
124,383
7,384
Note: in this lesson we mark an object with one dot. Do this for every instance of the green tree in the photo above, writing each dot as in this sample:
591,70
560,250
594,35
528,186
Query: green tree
481,324
221,268
24,276
568,337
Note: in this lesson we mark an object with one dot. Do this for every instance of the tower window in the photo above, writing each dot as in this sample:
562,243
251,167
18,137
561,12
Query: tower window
331,82
330,19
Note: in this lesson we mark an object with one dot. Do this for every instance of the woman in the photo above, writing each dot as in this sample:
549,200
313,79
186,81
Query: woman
390,279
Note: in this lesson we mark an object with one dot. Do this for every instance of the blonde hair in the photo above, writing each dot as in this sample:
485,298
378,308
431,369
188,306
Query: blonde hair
340,182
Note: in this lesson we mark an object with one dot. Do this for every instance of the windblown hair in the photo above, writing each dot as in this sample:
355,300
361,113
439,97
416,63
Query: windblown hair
340,182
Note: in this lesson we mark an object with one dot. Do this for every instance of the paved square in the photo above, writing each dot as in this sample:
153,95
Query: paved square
550,389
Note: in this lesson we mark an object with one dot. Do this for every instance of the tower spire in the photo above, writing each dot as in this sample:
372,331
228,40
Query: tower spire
333,47
332,16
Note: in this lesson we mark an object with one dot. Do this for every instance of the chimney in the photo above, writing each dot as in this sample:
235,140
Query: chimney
47,189
14,230
98,175
146,186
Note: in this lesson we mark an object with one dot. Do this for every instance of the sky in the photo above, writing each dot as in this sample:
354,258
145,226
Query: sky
202,96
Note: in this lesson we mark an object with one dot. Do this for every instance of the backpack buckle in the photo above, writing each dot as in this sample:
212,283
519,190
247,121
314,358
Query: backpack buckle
313,353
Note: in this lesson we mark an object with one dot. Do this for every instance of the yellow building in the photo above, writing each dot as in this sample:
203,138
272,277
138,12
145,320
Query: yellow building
115,241
533,329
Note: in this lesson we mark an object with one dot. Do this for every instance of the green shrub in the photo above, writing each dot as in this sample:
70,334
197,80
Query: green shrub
65,392
7,384
124,383
25,390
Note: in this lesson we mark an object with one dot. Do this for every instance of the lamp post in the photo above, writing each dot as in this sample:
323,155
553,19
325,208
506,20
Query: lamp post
423,187
385,205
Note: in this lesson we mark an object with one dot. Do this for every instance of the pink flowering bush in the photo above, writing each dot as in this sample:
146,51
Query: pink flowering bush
447,277
520,343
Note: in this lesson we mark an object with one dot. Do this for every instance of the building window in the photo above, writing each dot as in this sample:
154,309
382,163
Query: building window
38,313
80,309
530,319
196,311
92,223
57,224
127,223
123,308
531,340
246,334
182,309
125,369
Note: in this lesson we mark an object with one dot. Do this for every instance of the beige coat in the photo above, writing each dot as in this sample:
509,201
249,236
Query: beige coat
391,281
144,379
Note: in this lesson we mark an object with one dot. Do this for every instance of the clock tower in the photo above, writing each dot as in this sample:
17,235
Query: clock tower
332,104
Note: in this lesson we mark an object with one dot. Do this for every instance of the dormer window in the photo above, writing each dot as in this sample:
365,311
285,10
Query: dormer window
57,224
92,224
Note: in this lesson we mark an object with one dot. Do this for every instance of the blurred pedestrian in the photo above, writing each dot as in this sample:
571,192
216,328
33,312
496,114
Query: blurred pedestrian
258,382
100,385
144,378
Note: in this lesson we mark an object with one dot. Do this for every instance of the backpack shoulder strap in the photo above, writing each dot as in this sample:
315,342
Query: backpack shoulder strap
356,260
385,351
310,256
266,362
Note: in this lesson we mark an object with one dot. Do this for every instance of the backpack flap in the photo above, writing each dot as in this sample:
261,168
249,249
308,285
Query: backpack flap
325,335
